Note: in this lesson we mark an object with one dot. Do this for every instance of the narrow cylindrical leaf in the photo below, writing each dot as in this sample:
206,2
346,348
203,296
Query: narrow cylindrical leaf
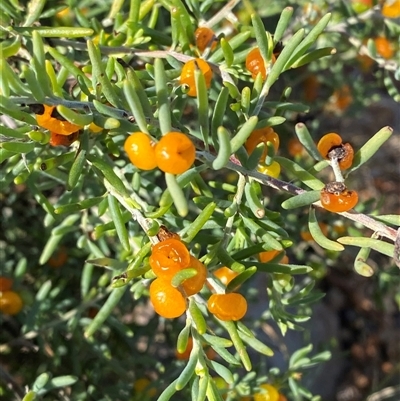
164,107
245,99
318,235
304,199
195,227
253,200
39,63
30,396
256,344
218,114
263,38
370,148
106,170
74,117
188,371
238,344
140,92
234,43
307,141
41,381
197,316
56,32
99,73
43,291
279,268
76,170
283,23
222,371
120,227
18,147
380,246
105,311
313,56
244,132
34,86
240,279
183,339
202,104
183,275
203,384
49,249
168,392
135,106
360,265
301,174
260,231
228,261
224,150
177,195
227,51
309,40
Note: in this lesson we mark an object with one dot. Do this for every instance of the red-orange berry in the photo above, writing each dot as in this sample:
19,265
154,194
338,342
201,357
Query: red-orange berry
175,153
262,135
194,284
331,146
295,148
63,140
59,258
51,120
267,256
167,301
255,63
232,306
391,9
341,98
142,387
10,303
267,393
335,197
205,37
384,47
5,283
168,258
188,78
140,149
225,275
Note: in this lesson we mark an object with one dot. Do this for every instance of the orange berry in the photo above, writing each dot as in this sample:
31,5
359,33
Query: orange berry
267,393
262,135
5,283
168,258
295,148
140,149
267,256
282,397
185,354
384,47
188,78
273,170
391,9
142,386
205,37
175,153
10,303
335,197
232,306
167,301
59,258
225,275
331,145
63,140
53,121
284,260
341,98
255,63
194,284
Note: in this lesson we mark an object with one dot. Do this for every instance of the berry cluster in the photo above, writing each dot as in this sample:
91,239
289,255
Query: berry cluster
174,153
168,258
10,302
335,196
205,38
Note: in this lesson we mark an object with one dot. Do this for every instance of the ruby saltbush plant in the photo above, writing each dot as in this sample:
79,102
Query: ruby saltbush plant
90,94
